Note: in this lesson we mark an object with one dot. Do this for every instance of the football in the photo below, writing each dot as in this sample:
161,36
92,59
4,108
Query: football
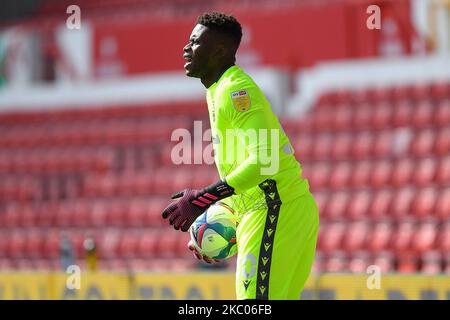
214,232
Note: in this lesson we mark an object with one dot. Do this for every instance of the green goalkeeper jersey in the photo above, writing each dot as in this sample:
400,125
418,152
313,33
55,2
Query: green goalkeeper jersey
249,143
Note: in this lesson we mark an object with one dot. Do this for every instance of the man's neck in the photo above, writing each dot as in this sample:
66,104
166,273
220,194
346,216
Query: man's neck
215,76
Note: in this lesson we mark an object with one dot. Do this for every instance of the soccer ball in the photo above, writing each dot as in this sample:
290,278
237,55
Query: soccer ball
214,232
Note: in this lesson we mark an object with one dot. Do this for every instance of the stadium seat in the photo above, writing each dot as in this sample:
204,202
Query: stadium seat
403,111
361,174
381,174
128,244
362,116
332,236
424,237
358,207
380,204
443,239
424,202
336,262
340,175
319,175
322,146
442,115
402,172
401,203
169,247
362,145
34,241
440,90
382,146
342,118
442,209
443,171
147,244
135,213
98,213
337,204
422,143
442,142
402,237
116,213
385,260
424,172
341,146
382,116
321,201
431,262
423,114
355,236
407,262
358,262
51,248
154,209
380,236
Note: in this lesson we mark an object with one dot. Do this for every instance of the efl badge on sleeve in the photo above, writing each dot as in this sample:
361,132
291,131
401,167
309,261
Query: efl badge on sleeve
241,100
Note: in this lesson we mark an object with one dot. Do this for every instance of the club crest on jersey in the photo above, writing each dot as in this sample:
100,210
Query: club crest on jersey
241,100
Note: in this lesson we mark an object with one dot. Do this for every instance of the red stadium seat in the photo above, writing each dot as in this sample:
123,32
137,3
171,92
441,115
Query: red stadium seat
443,171
358,207
362,116
403,235
385,260
442,209
181,248
401,203
402,114
424,172
342,145
34,243
332,236
362,145
116,213
322,146
319,175
440,90
51,249
321,118
98,214
337,204
168,247
402,172
154,209
382,116
148,243
423,115
380,205
407,262
135,213
355,236
422,142
442,115
431,263
443,239
340,175
361,174
442,142
381,174
424,237
424,202
321,201
380,236
128,244
342,118
108,243
358,262
382,146
337,262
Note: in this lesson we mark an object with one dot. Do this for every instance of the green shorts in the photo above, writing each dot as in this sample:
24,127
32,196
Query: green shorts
276,247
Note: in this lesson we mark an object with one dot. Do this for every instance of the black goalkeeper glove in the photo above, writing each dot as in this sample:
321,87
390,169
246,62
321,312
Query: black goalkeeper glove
192,203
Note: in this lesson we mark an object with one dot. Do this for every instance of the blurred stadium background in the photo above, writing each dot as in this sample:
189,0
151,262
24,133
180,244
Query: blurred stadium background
86,117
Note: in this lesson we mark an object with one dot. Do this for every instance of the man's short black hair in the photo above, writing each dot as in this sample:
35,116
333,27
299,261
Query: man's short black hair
225,24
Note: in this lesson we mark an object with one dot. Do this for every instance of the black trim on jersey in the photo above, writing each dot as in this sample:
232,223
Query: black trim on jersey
273,201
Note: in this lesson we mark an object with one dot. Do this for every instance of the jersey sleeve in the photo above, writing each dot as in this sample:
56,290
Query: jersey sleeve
250,116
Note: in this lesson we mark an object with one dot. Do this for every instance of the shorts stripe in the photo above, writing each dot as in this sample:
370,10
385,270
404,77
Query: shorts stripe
273,201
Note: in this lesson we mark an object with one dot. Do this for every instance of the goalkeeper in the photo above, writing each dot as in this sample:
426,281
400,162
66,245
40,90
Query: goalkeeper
260,177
